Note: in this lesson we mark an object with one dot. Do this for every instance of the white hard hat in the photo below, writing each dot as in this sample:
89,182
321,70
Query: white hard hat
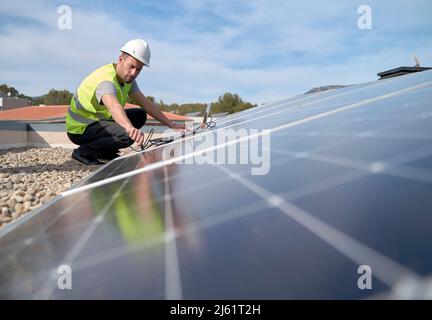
138,49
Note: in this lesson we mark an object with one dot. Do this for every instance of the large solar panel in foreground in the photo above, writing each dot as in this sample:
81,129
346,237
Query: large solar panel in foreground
348,185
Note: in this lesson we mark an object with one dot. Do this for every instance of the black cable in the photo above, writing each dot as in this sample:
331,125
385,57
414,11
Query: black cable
209,124
144,145
158,141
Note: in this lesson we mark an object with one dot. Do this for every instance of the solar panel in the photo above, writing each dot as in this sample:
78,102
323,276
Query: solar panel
348,186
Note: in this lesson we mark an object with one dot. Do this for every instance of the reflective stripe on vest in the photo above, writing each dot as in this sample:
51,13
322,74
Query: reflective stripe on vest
79,118
77,103
79,106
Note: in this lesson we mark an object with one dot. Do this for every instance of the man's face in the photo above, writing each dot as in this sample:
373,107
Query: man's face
128,68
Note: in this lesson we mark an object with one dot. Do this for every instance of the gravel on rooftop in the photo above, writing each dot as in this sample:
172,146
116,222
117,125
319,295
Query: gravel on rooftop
30,177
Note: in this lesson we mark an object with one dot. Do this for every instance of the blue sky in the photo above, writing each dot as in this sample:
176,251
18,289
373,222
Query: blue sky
262,50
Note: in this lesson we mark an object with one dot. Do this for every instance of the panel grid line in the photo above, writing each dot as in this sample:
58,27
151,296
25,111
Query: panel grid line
173,286
385,269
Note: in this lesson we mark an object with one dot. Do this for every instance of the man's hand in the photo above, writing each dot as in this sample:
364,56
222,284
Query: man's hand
136,135
182,128
178,127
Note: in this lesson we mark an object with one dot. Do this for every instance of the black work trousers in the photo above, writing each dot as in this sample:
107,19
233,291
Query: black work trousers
107,137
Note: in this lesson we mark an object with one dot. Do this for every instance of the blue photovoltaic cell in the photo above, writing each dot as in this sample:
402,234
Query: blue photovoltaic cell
347,183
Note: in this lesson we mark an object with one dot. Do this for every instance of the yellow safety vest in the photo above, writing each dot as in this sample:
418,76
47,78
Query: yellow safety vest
134,223
84,108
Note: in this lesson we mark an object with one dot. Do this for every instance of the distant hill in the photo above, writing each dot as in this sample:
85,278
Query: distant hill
38,97
325,88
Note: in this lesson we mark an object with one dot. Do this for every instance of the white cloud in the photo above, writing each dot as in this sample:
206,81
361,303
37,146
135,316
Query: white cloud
190,64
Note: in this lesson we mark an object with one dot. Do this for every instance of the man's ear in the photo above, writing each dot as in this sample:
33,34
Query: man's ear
122,56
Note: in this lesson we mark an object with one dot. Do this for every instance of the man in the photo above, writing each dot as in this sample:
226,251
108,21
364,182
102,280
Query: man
96,119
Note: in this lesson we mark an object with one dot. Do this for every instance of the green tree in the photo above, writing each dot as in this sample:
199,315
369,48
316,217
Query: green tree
174,108
231,103
191,107
6,89
56,97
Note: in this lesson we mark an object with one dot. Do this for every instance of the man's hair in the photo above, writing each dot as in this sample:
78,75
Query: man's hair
124,55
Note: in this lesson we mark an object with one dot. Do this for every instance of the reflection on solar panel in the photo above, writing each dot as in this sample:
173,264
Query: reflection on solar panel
346,196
